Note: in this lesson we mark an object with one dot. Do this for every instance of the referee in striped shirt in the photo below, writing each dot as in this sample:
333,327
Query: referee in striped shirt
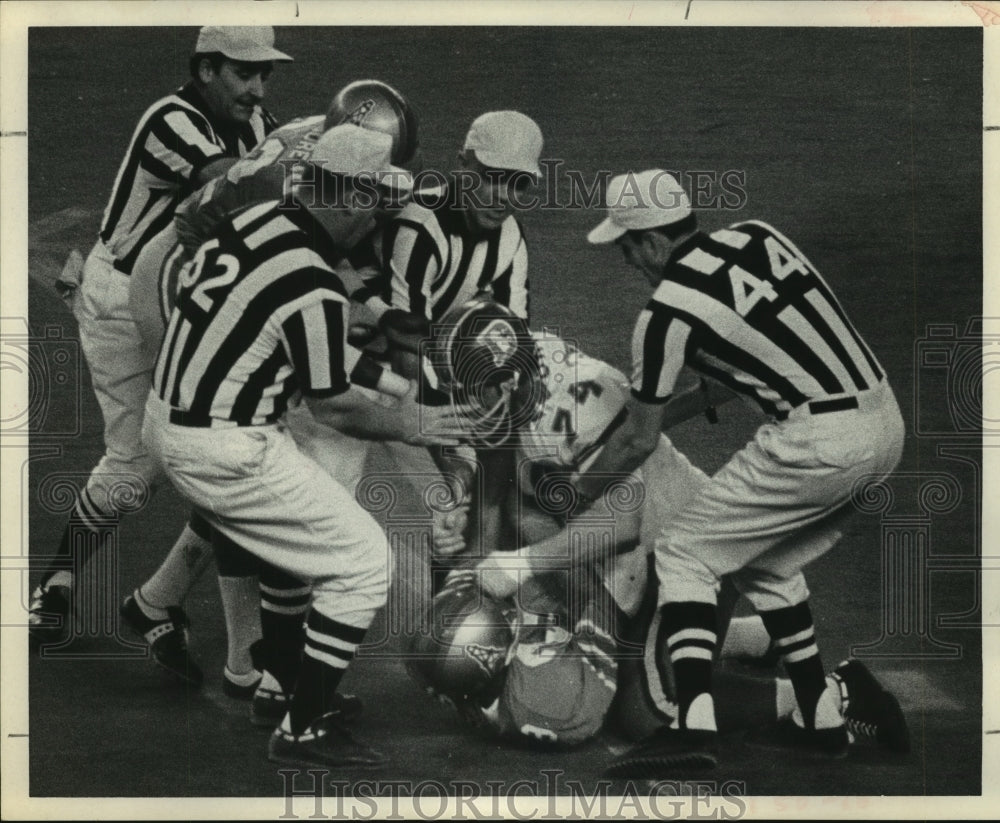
463,240
261,316
744,306
180,142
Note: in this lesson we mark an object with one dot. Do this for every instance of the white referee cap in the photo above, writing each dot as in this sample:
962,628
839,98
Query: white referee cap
641,200
506,140
356,152
247,44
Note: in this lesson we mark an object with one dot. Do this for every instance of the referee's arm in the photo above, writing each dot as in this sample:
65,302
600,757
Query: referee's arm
627,448
177,149
659,343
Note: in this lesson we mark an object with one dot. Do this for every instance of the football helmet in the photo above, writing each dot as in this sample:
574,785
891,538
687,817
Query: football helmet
374,105
465,653
484,358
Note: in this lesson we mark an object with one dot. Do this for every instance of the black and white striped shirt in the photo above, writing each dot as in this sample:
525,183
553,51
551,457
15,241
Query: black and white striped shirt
745,306
435,262
260,315
175,138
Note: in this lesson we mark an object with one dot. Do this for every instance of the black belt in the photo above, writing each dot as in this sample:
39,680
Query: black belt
198,421
835,405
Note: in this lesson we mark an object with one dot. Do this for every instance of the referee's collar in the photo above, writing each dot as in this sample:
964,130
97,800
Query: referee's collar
319,240
683,249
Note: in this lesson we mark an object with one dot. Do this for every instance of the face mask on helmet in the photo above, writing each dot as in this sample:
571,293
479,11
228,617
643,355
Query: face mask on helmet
485,358
374,105
465,653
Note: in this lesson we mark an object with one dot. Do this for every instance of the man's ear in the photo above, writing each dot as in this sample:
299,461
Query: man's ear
205,70
658,247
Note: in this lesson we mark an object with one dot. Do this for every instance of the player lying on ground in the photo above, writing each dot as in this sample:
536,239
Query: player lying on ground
153,609
544,659
524,671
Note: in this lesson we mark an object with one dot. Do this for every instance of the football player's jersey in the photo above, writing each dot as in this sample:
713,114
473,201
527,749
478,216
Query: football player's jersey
257,177
584,402
583,397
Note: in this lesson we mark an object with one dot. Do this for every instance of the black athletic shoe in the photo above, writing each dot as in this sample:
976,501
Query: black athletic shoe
787,734
869,710
324,743
167,640
270,703
49,614
668,750
237,691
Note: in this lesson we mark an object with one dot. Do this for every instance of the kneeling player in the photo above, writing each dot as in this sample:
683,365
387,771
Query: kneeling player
579,632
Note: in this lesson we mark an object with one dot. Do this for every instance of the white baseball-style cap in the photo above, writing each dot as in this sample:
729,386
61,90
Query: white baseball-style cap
247,44
641,200
353,151
506,140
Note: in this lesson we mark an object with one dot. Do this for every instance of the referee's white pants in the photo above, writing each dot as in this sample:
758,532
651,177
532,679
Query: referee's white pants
121,372
257,488
778,504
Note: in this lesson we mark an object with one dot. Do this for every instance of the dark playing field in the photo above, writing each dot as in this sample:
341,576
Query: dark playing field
862,145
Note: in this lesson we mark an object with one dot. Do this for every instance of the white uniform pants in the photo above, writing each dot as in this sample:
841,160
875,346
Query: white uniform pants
257,488
778,503
121,370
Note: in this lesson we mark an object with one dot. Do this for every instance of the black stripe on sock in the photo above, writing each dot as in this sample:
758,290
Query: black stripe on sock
693,642
786,649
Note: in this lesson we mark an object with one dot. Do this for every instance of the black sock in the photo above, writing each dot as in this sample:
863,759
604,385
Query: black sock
233,560
80,541
284,601
688,632
329,649
792,630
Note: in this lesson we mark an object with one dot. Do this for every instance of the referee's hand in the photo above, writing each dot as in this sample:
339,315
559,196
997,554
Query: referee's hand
432,425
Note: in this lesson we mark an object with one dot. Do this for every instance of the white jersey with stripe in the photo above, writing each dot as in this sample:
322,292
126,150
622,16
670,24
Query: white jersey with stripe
745,306
175,138
583,396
